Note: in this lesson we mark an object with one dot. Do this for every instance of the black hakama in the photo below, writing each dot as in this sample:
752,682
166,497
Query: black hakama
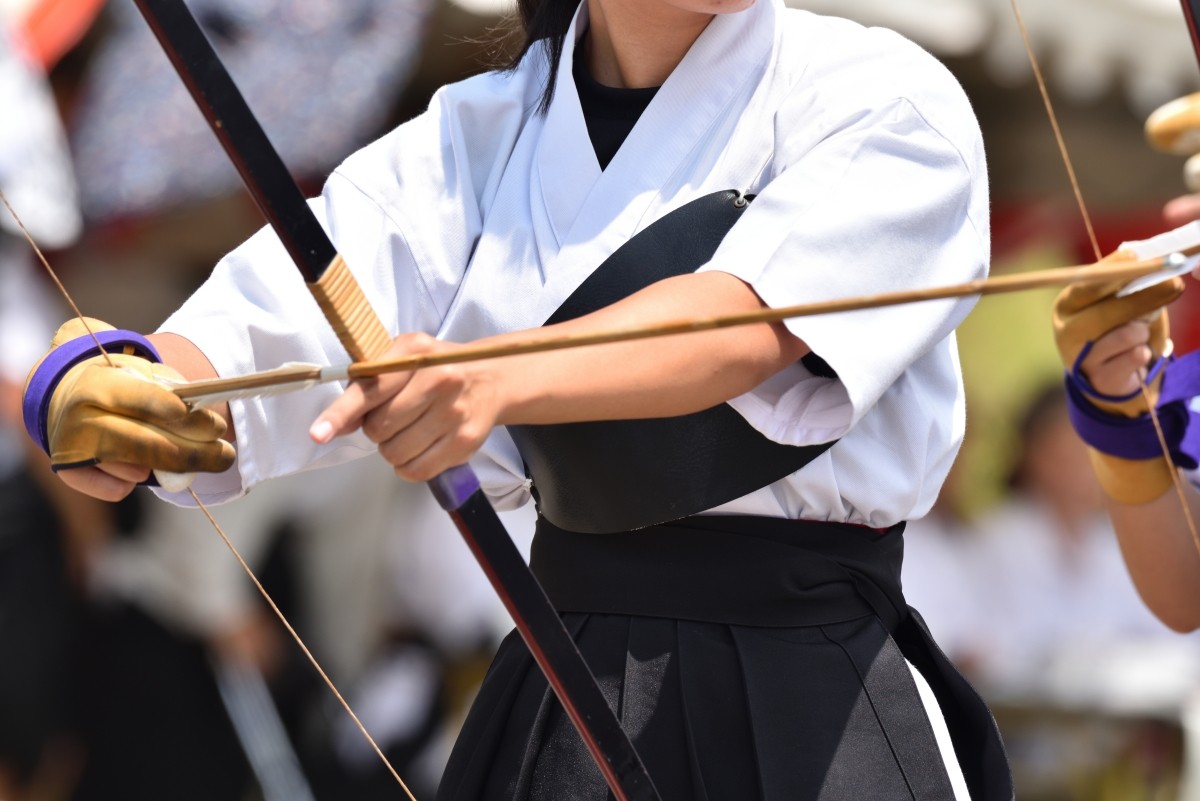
747,658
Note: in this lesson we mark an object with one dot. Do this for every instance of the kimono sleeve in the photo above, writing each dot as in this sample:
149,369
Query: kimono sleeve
889,197
255,313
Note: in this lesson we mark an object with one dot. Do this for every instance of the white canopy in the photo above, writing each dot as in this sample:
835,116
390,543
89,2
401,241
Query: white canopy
1086,46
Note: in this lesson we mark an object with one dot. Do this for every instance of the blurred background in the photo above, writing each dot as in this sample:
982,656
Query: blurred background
137,661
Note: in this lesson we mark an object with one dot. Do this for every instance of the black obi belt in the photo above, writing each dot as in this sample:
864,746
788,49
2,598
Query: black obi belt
748,658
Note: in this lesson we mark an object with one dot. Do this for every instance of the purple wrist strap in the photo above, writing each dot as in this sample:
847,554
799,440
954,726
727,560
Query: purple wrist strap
1085,388
44,381
1135,437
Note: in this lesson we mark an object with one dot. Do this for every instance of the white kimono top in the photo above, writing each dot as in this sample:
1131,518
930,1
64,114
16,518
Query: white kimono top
482,215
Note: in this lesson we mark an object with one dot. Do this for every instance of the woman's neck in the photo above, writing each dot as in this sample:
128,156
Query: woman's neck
636,44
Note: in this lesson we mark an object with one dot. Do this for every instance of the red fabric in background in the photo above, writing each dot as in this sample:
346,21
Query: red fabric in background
1020,225
52,27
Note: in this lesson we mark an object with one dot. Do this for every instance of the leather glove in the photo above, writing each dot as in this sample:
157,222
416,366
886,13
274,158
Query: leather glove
1082,314
82,410
1175,126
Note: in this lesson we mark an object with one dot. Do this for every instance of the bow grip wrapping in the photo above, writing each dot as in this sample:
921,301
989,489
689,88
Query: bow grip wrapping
346,308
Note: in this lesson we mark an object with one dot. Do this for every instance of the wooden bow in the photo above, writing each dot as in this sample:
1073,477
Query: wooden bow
363,335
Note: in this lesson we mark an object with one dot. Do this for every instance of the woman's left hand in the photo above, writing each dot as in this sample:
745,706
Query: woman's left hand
424,422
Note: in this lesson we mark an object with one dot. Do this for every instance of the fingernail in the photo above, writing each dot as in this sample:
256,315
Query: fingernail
321,431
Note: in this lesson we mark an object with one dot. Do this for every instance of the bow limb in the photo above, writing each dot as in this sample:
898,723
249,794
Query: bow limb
1191,14
1175,127
361,333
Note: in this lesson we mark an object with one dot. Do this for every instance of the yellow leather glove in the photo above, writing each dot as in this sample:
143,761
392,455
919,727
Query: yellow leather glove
1082,314
91,411
1174,127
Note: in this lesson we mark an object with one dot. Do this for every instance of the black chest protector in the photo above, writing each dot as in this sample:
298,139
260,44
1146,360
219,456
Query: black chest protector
620,475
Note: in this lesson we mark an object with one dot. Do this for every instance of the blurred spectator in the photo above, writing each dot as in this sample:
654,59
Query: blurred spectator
1033,601
37,614
1048,569
320,75
938,578
367,568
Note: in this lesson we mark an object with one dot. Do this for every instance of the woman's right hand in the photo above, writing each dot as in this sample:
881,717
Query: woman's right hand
108,420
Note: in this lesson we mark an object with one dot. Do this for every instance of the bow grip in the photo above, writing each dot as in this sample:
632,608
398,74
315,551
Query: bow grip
348,311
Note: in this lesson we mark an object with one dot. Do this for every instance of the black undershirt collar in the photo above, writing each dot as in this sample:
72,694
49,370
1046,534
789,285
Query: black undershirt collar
610,113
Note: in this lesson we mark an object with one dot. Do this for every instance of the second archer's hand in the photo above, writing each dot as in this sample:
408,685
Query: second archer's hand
424,422
1182,210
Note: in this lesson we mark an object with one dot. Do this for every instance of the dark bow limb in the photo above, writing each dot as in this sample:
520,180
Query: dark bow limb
1191,12
360,331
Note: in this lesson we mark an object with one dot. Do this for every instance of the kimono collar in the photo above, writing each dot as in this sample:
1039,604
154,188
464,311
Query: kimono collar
731,51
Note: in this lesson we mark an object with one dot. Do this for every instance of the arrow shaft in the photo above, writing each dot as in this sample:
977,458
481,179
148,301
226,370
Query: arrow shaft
302,376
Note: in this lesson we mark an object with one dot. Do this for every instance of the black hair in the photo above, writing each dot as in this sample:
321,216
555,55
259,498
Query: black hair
544,23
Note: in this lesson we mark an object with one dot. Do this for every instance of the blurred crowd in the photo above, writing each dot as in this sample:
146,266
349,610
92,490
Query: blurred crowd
1032,600
137,661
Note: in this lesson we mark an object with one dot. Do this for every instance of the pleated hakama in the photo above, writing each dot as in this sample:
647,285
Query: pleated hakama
747,658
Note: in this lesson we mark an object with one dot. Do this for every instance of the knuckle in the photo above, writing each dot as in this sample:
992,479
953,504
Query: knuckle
413,342
394,453
408,473
1125,337
375,427
467,439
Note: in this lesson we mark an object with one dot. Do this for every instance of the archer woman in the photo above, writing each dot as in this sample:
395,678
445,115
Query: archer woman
720,515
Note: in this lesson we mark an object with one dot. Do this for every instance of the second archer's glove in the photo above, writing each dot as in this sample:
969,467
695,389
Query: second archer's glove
1175,126
1082,314
83,409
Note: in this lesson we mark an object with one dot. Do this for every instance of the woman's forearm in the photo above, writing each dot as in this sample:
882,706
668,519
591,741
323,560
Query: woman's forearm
1162,556
650,378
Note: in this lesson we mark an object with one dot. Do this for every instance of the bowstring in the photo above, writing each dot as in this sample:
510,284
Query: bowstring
1176,479
54,277
216,526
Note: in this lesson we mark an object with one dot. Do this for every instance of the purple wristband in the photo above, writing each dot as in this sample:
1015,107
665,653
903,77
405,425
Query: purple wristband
42,383
1136,437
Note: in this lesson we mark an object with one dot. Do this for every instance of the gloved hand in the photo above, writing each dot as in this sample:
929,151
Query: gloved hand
82,410
1083,314
1175,128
